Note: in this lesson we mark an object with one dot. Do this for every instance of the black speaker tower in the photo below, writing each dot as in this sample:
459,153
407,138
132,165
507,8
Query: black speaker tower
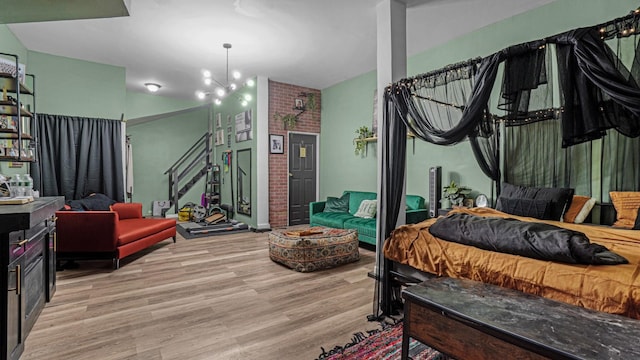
435,190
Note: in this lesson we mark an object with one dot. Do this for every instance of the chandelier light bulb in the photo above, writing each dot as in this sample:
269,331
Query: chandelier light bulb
237,75
206,73
207,81
220,92
250,83
217,101
248,97
232,86
244,103
201,95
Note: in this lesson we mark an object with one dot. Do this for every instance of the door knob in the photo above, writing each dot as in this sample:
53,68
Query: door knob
290,174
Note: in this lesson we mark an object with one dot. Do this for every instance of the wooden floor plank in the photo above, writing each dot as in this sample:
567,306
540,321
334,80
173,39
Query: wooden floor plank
217,297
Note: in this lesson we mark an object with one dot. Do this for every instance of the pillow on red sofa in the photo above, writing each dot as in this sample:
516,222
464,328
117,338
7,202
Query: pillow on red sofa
94,201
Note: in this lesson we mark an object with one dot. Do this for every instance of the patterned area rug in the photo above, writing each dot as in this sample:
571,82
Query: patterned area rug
385,344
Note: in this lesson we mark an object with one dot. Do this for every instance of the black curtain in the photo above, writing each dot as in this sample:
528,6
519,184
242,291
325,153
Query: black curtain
392,135
79,156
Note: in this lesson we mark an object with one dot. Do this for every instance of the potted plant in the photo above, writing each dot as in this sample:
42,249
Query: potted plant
454,194
360,141
288,120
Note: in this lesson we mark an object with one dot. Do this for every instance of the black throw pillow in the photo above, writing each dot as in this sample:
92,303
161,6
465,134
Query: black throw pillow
539,209
334,204
94,201
636,226
560,198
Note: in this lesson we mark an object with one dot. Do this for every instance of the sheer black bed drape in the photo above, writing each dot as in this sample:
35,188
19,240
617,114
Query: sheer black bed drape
79,156
597,94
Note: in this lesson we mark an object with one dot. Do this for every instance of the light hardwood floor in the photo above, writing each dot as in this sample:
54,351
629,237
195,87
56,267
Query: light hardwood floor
217,297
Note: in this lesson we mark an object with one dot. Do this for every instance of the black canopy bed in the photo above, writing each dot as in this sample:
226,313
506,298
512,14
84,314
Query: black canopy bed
547,142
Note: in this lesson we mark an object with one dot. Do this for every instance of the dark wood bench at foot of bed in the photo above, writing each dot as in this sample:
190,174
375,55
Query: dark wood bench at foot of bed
472,320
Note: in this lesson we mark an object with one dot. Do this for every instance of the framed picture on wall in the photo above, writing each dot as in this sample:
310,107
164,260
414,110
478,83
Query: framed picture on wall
276,144
219,121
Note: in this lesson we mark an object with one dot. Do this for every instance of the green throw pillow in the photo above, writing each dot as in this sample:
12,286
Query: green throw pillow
334,204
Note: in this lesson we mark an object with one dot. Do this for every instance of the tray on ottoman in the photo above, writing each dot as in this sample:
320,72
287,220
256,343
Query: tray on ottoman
314,248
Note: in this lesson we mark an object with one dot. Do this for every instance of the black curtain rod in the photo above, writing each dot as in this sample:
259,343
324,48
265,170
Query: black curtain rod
451,67
633,16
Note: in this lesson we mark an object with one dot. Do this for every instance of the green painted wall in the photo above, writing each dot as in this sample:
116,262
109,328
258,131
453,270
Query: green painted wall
143,104
10,44
74,87
346,107
349,105
159,144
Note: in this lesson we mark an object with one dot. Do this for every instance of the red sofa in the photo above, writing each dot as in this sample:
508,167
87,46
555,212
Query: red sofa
112,234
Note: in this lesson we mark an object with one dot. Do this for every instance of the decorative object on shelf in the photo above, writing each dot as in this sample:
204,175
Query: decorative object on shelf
361,140
289,120
226,88
455,193
482,201
16,114
152,87
276,144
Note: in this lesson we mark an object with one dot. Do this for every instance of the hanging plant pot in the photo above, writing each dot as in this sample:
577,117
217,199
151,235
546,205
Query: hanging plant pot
288,120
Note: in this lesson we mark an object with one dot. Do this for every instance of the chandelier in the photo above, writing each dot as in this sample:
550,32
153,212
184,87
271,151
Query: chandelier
223,89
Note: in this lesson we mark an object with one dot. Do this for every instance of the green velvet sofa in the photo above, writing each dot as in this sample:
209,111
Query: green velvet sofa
416,212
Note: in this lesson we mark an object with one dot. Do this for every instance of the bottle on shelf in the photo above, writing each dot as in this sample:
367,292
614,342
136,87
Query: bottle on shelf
28,185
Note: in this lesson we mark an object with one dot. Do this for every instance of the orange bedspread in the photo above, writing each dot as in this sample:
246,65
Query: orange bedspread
609,288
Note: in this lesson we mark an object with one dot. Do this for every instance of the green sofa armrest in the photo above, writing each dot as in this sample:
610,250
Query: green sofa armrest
316,207
416,216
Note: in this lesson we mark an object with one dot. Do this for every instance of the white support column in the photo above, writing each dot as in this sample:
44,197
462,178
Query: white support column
262,154
391,67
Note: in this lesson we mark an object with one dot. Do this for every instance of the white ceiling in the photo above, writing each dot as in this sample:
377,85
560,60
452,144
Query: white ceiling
312,43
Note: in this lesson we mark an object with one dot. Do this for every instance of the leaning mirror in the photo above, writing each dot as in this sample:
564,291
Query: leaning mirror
244,181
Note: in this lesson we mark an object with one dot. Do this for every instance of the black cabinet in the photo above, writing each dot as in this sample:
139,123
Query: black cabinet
27,252
15,311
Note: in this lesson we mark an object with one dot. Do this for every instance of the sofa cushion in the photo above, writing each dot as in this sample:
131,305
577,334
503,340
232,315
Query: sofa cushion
365,227
367,209
130,230
334,204
415,202
331,219
94,201
356,197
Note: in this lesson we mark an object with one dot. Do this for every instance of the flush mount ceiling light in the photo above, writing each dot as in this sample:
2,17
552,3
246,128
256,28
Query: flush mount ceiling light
152,87
220,90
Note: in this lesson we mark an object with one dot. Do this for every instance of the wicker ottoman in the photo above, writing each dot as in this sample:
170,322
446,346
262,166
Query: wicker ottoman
314,248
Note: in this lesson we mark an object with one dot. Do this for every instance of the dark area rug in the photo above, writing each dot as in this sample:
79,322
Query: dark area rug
383,344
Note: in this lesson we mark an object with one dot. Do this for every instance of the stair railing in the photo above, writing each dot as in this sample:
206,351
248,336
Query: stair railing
183,168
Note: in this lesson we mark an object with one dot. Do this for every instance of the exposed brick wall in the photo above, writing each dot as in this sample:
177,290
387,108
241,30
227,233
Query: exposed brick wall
281,100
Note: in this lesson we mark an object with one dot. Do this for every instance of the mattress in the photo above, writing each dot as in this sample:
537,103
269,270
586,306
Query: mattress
609,288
